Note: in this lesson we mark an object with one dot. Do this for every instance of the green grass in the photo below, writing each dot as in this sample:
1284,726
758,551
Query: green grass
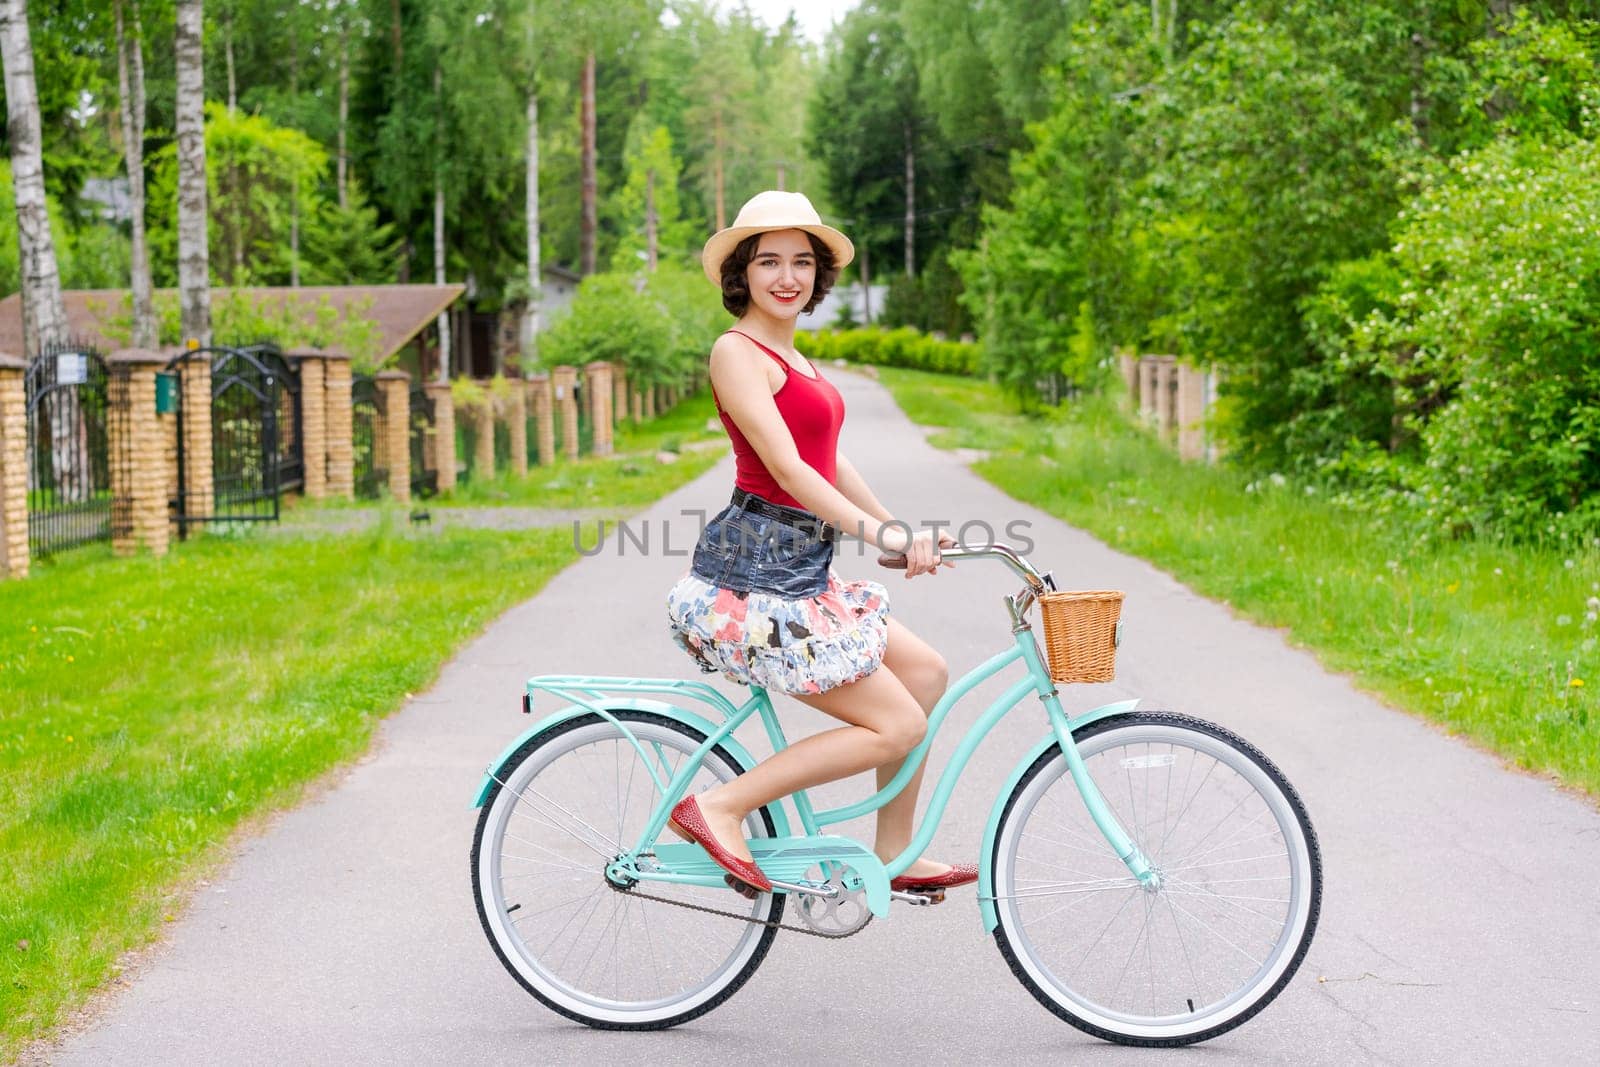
630,479
1494,641
148,706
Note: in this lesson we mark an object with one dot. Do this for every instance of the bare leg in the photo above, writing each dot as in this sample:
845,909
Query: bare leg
885,721
924,674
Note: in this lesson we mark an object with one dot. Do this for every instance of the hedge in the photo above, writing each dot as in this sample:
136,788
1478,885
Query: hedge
904,347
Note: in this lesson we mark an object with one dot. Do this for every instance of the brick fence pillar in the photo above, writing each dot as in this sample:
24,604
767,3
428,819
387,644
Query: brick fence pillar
1191,412
394,432
517,420
341,463
597,376
313,421
637,405
619,394
649,401
482,416
138,446
564,380
444,433
194,387
13,468
542,397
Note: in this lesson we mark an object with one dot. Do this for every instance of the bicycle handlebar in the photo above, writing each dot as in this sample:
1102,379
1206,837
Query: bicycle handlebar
1010,556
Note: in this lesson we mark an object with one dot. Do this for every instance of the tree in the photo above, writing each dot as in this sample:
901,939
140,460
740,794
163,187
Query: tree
529,72
730,132
879,147
130,82
645,211
44,316
194,277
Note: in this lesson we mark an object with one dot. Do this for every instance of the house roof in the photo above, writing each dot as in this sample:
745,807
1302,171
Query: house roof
400,311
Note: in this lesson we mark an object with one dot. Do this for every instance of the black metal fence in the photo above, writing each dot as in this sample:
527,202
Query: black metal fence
424,461
366,424
69,448
256,443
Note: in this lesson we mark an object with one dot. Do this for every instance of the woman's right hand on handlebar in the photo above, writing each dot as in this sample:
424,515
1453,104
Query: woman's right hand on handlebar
921,555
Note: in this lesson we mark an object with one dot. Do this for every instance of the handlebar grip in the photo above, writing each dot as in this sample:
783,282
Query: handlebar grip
894,563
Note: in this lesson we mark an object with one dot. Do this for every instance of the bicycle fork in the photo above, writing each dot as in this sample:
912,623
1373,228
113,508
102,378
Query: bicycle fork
1127,850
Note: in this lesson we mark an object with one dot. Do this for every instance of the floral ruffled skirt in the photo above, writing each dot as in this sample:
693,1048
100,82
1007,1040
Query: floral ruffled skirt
786,644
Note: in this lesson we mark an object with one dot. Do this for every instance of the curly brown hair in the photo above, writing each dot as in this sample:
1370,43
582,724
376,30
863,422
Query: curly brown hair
736,290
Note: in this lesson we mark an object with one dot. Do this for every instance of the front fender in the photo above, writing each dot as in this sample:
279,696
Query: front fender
658,707
986,857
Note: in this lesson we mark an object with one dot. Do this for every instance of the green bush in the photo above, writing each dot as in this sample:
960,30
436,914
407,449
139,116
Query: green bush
1488,346
903,347
659,328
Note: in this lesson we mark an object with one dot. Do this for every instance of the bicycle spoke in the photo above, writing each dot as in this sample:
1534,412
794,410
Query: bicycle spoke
1187,954
1213,932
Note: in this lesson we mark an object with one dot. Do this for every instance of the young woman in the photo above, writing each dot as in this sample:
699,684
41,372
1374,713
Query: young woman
760,602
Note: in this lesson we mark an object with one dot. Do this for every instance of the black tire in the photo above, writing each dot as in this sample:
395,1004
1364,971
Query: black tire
769,907
1301,906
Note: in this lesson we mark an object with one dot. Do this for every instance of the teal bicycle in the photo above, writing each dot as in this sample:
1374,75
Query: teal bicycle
1151,878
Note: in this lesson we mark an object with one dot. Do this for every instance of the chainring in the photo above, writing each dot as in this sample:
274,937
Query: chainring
839,915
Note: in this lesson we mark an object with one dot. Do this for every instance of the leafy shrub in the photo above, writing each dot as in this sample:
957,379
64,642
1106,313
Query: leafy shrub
1484,341
658,328
903,347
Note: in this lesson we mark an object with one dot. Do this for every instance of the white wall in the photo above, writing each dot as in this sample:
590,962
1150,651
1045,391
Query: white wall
853,296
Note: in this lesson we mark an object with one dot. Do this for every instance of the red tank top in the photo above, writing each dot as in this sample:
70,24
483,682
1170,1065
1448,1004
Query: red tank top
812,409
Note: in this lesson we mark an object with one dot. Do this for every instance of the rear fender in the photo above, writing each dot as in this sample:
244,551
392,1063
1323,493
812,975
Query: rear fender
658,707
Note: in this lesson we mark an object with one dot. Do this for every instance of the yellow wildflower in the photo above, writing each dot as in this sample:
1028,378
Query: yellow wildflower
1576,683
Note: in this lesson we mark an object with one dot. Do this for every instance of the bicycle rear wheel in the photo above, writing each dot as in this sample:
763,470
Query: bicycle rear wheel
568,802
1239,894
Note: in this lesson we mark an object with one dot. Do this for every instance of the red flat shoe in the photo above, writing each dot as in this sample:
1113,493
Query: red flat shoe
960,874
687,822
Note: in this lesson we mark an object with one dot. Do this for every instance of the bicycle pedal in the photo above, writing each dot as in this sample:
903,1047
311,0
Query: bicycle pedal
744,889
918,898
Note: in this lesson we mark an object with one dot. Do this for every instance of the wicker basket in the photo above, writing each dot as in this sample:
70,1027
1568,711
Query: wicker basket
1081,634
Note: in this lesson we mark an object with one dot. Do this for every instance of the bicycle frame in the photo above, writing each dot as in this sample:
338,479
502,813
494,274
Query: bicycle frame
590,694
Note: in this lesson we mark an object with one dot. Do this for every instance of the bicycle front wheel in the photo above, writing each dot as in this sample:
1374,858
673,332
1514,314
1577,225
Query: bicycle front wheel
567,803
1220,932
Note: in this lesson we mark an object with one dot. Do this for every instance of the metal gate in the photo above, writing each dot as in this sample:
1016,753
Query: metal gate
69,468
424,447
256,446
367,417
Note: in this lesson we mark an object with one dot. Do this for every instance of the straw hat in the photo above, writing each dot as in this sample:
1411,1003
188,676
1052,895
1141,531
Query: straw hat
773,210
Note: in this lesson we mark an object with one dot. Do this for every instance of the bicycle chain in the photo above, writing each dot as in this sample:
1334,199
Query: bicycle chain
744,918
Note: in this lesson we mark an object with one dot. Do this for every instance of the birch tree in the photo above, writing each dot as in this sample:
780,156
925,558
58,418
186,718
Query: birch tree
130,83
194,276
438,221
532,34
44,316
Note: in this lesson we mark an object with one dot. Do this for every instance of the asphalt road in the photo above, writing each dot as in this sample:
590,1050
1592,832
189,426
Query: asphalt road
1461,921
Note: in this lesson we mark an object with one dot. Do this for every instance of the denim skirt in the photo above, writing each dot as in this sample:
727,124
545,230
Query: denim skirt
761,605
